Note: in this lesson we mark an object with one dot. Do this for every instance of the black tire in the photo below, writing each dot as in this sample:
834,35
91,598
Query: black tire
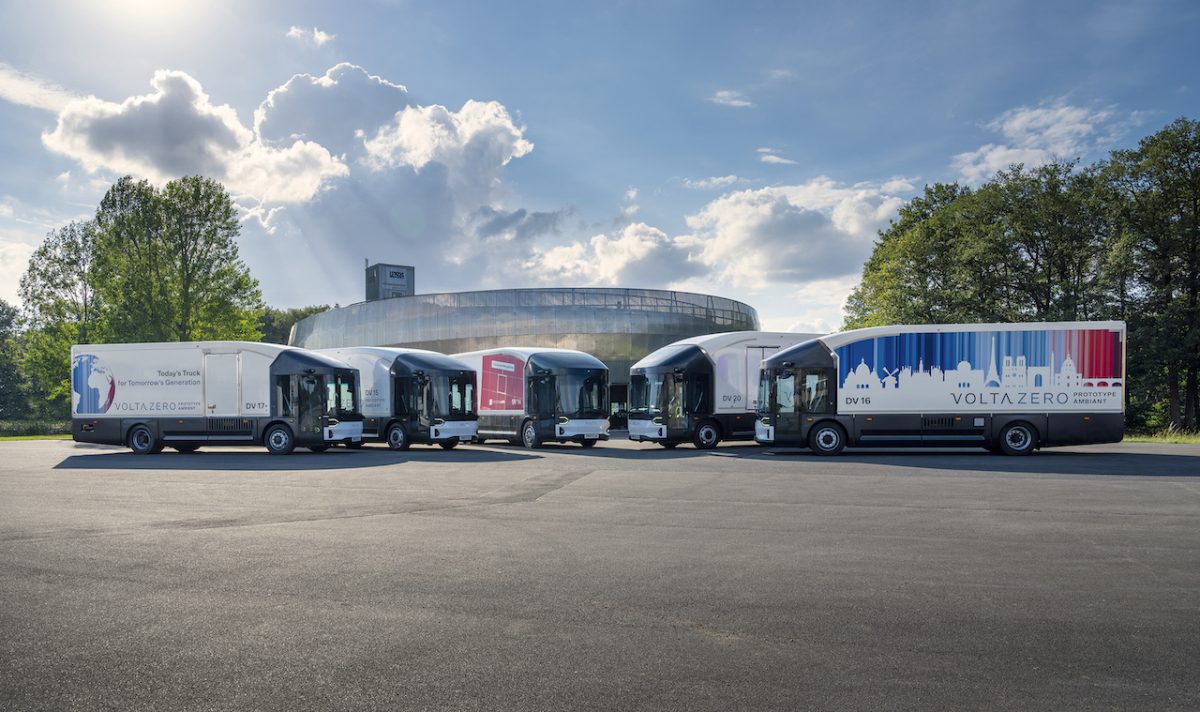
355,445
669,446
588,443
279,440
449,444
318,448
707,435
827,438
143,441
1018,438
185,449
397,437
529,435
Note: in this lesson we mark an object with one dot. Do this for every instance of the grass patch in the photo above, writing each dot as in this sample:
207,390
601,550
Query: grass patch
36,429
1173,437
58,436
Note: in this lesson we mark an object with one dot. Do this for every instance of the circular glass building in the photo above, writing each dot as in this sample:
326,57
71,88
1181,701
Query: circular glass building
618,326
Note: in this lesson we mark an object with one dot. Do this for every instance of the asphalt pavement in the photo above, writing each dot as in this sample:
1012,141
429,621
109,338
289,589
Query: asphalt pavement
619,578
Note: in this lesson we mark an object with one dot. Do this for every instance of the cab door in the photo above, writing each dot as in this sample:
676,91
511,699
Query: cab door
787,407
310,408
540,400
676,411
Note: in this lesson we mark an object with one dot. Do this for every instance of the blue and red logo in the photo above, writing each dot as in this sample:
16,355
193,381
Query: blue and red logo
92,385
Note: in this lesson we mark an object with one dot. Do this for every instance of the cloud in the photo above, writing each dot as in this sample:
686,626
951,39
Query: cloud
898,184
637,255
713,183
1035,135
14,259
28,90
176,130
519,225
6,209
788,234
335,109
471,146
315,35
728,97
769,155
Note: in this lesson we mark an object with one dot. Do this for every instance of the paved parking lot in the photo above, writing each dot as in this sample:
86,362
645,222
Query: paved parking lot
625,577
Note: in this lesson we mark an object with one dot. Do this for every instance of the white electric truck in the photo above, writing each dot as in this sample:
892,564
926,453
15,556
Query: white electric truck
703,389
534,395
1009,388
413,396
188,394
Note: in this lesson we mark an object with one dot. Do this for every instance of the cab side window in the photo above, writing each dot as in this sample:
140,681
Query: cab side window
815,395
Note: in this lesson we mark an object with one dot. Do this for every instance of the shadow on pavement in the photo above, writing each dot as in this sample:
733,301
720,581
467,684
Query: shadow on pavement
1044,462
301,460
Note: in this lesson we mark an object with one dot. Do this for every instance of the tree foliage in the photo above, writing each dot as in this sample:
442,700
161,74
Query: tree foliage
168,266
60,309
276,324
11,397
153,265
1119,239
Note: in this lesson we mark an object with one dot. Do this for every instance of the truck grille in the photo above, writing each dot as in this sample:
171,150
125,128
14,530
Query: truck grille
228,425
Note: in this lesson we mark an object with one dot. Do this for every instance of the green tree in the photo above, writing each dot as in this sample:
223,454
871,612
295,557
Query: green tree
1156,189
167,263
154,265
12,404
60,308
276,324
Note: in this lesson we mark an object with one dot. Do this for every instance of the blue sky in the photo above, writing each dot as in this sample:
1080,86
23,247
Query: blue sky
750,150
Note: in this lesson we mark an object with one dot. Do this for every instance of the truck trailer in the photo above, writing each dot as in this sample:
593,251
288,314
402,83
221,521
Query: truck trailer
535,395
188,394
413,396
1010,388
703,389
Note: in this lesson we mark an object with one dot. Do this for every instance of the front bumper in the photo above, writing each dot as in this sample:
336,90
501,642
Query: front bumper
594,429
461,430
763,433
646,430
344,432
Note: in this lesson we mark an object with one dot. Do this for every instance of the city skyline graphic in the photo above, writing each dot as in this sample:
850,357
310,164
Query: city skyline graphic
1047,359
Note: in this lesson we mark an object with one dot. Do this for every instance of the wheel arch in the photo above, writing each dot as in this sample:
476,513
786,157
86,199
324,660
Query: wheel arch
262,434
1039,423
127,427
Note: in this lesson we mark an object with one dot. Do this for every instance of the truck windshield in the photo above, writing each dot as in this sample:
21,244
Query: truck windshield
340,390
453,397
763,407
648,394
582,395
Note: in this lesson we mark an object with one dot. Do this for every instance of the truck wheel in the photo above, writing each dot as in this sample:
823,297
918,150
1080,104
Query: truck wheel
279,440
143,441
355,445
449,444
1018,439
707,436
529,435
397,437
668,446
827,439
318,448
588,443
